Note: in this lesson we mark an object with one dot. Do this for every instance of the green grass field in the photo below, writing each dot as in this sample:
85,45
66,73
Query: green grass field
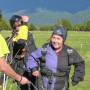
78,40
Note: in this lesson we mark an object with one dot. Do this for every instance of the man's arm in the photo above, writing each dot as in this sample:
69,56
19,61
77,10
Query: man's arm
4,67
79,68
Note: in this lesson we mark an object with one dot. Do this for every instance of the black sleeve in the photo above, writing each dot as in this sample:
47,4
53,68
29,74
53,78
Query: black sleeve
79,68
34,69
31,43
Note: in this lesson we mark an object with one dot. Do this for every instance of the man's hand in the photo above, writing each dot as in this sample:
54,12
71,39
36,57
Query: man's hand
24,80
36,73
74,83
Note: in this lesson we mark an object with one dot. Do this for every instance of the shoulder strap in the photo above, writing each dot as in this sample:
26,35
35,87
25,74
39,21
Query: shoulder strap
43,52
70,55
31,46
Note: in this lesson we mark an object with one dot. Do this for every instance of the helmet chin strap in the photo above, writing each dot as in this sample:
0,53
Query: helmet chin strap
57,49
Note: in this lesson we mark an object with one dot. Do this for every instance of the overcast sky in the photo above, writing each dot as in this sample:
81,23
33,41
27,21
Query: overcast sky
71,6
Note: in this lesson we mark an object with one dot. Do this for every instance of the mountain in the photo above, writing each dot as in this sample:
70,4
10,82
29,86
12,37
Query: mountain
45,17
50,17
81,16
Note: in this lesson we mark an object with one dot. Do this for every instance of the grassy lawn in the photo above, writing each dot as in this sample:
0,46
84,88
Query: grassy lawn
78,40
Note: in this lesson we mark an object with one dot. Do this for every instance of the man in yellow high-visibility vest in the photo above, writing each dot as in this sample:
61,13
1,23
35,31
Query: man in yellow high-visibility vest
4,67
23,45
20,32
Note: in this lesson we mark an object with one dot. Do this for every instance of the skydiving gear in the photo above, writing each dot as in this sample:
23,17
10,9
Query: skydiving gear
61,32
46,72
20,65
55,68
21,44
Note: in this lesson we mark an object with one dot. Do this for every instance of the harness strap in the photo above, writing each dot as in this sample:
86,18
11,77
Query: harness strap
46,72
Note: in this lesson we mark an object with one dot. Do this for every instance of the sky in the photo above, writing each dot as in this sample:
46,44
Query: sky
71,6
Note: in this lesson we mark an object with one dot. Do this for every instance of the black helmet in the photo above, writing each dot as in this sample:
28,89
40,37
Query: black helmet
14,19
61,31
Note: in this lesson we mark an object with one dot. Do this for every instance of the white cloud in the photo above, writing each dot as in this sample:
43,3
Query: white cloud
20,12
41,9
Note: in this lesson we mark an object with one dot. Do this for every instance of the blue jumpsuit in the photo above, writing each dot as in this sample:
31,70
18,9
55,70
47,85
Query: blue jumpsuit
58,64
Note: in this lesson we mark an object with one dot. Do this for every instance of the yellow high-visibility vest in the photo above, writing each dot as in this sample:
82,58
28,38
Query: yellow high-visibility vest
3,47
22,33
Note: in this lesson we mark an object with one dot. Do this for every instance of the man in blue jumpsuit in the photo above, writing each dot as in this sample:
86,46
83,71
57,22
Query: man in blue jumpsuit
55,68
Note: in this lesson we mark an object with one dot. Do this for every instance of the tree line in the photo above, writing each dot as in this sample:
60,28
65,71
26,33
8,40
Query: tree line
4,25
65,23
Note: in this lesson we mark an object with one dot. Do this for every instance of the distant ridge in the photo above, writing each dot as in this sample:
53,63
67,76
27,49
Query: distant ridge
45,17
